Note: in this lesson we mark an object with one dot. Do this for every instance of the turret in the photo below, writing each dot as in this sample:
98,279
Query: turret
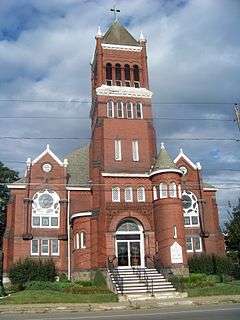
168,213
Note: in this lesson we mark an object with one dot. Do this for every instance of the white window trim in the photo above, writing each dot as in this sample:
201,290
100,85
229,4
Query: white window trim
110,104
190,215
162,195
34,253
180,191
135,150
141,189
82,244
117,150
127,104
141,110
122,109
58,252
114,189
77,239
130,190
43,253
155,194
172,190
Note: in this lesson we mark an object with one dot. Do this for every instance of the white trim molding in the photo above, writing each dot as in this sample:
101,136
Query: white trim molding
153,173
78,188
121,47
125,175
16,186
182,155
122,91
81,214
210,189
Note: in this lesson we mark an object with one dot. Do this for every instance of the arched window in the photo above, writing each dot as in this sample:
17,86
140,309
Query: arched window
110,109
129,108
118,76
163,189
83,240
128,192
128,226
127,74
45,209
120,112
141,194
155,195
190,209
108,71
172,190
115,194
136,76
139,112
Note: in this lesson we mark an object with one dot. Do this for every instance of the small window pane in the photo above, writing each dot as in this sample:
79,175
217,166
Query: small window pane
118,72
116,194
189,244
120,109
197,243
118,150
128,194
135,152
54,222
45,221
36,221
139,114
35,247
129,111
83,240
195,220
141,194
44,247
55,247
186,221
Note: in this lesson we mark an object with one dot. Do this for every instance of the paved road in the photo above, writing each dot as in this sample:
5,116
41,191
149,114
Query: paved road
204,313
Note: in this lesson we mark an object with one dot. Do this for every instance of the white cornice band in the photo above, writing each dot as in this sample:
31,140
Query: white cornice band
121,47
78,188
81,214
140,175
210,189
16,186
122,91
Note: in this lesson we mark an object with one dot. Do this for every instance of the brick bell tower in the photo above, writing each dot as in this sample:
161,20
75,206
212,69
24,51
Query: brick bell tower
123,137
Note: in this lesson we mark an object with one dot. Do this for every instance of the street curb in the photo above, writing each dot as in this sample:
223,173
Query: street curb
118,306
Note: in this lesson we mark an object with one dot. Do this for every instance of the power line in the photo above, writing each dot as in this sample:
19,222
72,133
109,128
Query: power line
112,139
86,118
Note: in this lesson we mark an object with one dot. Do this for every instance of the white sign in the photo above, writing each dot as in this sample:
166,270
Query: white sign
176,253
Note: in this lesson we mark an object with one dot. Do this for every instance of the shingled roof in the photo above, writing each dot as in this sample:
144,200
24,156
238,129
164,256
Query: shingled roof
78,167
164,161
117,34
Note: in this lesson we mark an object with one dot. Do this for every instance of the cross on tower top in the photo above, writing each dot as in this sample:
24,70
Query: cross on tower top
115,10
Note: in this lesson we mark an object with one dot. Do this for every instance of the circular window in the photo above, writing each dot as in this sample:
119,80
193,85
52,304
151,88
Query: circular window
45,200
190,202
187,201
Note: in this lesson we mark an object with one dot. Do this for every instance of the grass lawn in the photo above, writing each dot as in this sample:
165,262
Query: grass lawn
48,296
230,288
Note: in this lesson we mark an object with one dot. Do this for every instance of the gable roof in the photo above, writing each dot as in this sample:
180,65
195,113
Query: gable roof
117,34
164,161
47,151
78,166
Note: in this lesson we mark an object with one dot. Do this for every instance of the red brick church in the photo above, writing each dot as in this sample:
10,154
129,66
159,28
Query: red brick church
115,200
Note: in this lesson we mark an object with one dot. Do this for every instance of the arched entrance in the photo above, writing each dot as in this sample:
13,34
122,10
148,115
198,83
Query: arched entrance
130,244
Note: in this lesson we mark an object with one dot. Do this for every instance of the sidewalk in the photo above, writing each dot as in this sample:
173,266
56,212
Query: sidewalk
149,304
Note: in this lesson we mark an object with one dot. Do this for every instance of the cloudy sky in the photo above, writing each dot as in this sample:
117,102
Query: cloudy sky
193,54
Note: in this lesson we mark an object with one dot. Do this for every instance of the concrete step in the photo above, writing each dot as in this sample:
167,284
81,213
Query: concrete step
126,281
138,291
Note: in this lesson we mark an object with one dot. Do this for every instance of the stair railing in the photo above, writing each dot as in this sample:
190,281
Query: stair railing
112,266
142,275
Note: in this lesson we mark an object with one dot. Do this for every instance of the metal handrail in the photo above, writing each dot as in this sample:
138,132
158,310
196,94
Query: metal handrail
114,271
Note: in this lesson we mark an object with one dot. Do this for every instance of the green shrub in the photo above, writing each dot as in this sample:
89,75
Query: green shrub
32,270
201,264
63,277
47,285
84,283
177,282
76,289
99,280
193,281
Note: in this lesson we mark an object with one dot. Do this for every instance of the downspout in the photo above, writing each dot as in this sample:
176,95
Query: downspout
69,234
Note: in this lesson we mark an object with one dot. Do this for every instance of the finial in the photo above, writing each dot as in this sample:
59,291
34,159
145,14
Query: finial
198,164
65,163
99,32
48,147
162,145
181,150
115,10
142,38
28,162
